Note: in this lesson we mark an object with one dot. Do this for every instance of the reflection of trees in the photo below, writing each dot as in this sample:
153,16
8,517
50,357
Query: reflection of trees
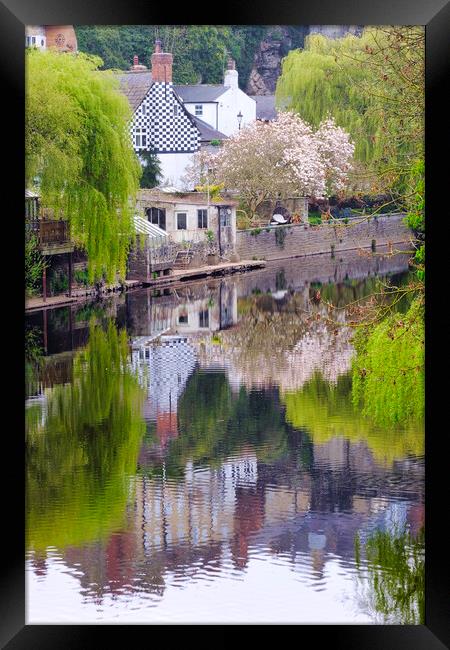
396,573
326,411
213,423
81,453
388,372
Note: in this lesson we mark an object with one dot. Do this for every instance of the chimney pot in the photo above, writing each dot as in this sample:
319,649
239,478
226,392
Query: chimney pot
158,45
135,60
231,64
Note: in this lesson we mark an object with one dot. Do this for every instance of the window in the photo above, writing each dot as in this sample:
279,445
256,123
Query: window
181,221
225,217
157,216
203,318
33,40
140,137
199,109
144,109
183,317
175,109
202,218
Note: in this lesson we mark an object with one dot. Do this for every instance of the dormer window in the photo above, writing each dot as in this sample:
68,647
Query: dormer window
199,109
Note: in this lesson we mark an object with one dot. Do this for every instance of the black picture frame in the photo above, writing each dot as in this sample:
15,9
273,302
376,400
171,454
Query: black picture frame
435,16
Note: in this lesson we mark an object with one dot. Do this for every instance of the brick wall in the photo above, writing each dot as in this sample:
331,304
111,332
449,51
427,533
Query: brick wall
277,242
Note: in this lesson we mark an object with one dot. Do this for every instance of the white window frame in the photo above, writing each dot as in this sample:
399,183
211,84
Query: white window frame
140,137
198,109
186,215
204,216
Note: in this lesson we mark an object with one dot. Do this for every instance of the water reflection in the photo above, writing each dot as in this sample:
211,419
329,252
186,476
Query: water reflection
83,440
214,439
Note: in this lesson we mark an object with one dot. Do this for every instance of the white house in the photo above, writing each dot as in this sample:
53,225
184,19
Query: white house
176,121
224,107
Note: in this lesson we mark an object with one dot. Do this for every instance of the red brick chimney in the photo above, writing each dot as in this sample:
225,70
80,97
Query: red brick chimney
161,65
137,67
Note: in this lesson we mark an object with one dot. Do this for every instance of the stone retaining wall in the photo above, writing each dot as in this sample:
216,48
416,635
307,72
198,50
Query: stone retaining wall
278,242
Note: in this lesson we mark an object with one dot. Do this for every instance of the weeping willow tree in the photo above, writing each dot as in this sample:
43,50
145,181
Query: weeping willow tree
79,152
322,80
82,447
373,86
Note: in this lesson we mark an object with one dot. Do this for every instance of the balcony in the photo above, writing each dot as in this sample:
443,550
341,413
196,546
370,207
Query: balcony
53,236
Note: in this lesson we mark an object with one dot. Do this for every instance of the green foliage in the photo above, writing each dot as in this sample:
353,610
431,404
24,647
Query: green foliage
213,423
200,51
78,146
81,277
373,86
320,80
388,371
34,266
396,570
80,454
210,236
151,170
59,281
326,411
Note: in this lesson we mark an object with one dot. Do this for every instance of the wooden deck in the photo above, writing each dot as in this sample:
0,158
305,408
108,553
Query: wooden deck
178,277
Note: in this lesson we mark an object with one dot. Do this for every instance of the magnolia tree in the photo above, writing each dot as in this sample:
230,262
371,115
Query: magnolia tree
283,158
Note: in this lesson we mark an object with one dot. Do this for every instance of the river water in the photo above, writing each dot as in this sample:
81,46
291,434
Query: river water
193,455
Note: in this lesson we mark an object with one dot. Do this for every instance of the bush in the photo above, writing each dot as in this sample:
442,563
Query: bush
81,277
59,282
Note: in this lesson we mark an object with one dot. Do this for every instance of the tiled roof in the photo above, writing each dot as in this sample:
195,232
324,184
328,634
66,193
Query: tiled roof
200,92
265,107
135,86
207,132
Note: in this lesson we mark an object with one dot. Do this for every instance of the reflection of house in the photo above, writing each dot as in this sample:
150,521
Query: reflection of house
170,362
214,313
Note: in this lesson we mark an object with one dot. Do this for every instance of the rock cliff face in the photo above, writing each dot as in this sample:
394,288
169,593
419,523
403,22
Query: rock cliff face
276,44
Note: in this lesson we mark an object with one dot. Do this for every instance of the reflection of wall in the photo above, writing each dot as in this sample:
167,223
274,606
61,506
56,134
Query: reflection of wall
299,273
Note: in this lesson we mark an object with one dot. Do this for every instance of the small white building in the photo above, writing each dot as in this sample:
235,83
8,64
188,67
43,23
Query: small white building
224,107
190,217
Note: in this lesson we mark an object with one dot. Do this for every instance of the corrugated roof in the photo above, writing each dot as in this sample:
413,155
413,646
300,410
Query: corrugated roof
200,92
265,107
135,86
207,132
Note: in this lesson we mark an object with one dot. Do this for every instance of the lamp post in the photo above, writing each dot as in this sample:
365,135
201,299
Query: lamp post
239,117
